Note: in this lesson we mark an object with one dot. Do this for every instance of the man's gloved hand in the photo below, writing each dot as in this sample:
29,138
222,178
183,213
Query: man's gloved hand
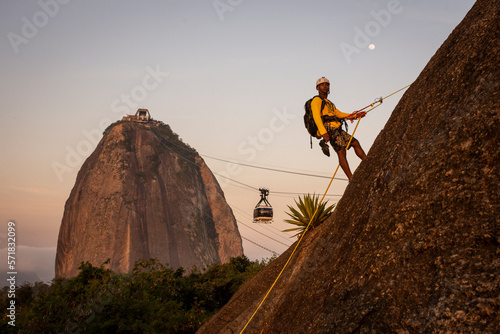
356,115
360,115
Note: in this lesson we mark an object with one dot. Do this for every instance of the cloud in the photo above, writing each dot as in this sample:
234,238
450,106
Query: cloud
35,191
30,261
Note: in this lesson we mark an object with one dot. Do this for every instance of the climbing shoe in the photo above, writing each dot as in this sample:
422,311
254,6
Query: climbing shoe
324,147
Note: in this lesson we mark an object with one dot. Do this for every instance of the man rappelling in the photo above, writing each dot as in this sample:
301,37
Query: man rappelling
329,122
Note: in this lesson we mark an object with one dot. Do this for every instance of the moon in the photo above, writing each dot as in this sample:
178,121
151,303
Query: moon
371,46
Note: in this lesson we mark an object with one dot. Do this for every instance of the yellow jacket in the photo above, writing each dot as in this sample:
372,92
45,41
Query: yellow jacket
328,110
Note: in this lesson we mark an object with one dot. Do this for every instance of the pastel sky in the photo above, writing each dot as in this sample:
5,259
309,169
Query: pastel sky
229,76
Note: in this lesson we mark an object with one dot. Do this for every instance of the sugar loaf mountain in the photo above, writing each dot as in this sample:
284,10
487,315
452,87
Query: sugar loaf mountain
143,194
413,245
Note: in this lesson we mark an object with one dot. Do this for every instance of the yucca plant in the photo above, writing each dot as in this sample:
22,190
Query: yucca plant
301,216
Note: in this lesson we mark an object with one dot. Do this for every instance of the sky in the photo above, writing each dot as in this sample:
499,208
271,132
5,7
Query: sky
230,77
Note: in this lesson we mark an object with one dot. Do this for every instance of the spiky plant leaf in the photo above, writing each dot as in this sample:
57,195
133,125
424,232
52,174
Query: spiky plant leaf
302,216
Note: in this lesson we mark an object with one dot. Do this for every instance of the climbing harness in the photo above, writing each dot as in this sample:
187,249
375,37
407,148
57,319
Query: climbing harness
373,105
309,122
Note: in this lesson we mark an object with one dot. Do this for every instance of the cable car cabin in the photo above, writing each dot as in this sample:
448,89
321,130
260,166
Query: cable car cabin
263,212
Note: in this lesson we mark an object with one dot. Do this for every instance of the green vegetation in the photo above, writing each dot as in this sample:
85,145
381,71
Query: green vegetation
172,142
306,207
112,125
154,298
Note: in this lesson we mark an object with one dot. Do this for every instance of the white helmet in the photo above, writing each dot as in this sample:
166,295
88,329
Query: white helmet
321,80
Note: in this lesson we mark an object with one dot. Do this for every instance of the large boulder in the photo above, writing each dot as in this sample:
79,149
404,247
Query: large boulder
144,194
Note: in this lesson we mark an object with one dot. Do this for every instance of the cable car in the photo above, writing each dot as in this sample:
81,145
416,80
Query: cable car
263,212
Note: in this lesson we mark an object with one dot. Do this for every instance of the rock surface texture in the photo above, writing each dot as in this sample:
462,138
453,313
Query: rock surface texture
413,245
144,194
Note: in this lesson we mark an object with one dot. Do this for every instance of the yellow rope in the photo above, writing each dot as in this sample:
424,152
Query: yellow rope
294,249
397,91
382,99
312,218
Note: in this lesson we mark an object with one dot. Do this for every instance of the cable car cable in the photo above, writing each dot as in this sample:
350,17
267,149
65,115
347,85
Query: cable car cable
254,166
248,165
265,226
267,249
272,169
262,233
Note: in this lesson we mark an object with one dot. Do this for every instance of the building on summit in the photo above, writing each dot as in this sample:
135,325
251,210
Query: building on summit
141,116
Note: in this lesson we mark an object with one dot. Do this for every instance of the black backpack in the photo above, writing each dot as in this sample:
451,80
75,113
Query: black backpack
309,122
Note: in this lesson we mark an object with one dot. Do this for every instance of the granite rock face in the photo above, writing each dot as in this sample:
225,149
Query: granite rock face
413,245
144,194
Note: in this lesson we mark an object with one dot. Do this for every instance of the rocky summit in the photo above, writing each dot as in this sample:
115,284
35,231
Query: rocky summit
145,194
413,245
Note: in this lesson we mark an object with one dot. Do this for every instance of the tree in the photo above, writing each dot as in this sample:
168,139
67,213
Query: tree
153,298
308,208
